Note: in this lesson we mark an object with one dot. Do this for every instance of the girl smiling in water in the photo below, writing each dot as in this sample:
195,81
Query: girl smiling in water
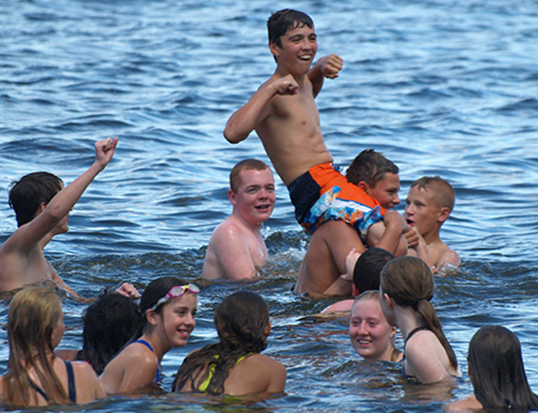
371,335
168,307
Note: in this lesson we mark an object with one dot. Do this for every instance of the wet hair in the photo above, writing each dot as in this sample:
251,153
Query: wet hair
241,320
445,196
497,371
283,20
370,166
409,282
244,165
32,316
155,290
368,267
109,323
374,295
30,191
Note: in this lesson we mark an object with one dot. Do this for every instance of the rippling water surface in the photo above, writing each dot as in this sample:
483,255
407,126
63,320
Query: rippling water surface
439,87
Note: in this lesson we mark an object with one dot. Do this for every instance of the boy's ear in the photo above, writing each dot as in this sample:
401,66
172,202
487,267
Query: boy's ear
443,214
232,197
273,47
364,186
354,291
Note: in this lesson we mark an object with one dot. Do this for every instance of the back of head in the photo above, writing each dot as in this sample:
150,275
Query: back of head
370,167
283,20
247,164
30,191
409,282
109,323
368,268
32,317
497,372
444,194
33,314
241,320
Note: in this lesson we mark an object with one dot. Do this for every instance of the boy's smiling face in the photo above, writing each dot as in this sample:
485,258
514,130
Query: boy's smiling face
299,47
385,191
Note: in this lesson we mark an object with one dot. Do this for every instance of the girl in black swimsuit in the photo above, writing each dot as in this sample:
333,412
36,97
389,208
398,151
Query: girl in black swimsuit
35,376
406,290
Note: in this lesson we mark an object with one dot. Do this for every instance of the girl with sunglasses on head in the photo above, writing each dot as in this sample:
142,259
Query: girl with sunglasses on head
234,365
168,307
405,294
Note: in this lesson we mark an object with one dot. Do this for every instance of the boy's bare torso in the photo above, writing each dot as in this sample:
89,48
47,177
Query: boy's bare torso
291,132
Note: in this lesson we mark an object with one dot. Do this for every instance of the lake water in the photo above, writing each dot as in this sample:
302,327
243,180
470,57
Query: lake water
440,87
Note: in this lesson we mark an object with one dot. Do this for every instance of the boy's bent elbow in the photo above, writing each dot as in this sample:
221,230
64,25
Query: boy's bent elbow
234,136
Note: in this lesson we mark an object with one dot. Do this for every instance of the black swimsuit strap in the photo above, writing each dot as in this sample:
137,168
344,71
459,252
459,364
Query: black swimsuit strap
39,390
71,381
416,330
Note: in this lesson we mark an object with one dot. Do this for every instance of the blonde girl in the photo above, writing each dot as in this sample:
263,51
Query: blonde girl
371,335
35,376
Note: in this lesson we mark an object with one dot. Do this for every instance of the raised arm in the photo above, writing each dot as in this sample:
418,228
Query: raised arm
30,234
249,116
326,67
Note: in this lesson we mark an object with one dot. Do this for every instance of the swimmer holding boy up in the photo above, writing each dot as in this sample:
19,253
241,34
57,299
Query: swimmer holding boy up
285,116
42,207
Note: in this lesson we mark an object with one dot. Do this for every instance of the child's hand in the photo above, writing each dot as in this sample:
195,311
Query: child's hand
351,260
286,85
104,150
128,290
412,236
331,65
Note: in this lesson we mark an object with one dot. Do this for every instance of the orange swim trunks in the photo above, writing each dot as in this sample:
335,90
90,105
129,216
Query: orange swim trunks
323,194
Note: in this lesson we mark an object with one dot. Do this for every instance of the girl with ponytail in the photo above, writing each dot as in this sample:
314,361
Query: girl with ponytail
234,365
406,291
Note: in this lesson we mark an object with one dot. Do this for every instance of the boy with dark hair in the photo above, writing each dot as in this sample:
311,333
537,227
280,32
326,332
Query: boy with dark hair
428,205
42,208
329,250
285,116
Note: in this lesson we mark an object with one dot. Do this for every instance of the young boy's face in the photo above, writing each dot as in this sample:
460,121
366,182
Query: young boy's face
421,210
255,197
299,47
386,191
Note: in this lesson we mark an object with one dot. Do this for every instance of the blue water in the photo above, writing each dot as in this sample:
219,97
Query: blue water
440,87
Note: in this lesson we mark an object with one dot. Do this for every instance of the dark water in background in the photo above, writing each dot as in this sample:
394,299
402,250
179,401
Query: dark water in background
440,87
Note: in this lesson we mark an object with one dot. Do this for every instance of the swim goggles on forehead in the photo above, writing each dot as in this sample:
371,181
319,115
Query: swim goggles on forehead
176,292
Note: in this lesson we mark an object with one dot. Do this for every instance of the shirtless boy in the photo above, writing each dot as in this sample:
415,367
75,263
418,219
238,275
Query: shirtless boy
327,257
42,208
285,116
236,247
428,205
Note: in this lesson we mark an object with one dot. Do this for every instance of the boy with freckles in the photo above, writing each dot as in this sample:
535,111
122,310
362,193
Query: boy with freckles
285,116
236,248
